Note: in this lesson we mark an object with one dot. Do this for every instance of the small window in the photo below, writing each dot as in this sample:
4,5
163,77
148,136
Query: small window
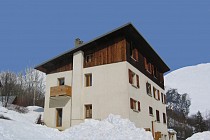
157,116
133,79
135,105
149,90
88,80
156,93
164,118
151,111
59,117
162,97
88,111
89,58
133,52
61,81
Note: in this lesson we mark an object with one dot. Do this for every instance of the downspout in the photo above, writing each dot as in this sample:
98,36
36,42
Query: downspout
71,97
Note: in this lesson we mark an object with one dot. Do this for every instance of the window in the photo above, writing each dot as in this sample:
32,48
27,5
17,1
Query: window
148,87
89,58
148,66
156,93
133,52
157,116
165,102
156,73
61,81
135,105
164,118
133,78
88,80
151,111
59,117
162,97
88,111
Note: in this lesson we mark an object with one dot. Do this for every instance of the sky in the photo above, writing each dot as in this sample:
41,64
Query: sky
33,31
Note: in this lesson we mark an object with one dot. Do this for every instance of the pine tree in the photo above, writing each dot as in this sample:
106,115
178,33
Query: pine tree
200,124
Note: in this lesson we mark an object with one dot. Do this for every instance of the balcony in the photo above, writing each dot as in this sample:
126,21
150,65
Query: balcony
60,91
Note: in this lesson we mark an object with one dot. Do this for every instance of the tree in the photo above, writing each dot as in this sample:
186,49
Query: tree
200,124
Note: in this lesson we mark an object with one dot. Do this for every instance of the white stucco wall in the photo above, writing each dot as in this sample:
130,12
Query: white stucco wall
50,113
143,119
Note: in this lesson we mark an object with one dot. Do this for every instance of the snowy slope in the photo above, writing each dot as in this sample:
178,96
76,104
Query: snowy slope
200,136
194,80
22,126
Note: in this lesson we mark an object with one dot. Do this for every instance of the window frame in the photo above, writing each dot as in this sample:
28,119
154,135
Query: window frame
61,81
89,108
88,80
89,58
59,117
149,89
158,116
151,111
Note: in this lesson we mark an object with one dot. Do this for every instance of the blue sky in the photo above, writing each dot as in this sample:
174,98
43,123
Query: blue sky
33,31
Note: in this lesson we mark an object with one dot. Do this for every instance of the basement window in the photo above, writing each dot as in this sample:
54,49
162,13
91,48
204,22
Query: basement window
88,80
88,111
59,117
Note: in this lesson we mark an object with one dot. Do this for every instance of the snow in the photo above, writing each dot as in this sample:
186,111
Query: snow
193,80
200,136
22,126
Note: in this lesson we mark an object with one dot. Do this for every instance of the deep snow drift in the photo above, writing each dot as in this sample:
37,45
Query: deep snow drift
22,126
200,136
194,80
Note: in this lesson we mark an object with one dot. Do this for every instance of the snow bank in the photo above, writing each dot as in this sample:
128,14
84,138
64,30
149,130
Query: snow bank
22,126
200,136
112,128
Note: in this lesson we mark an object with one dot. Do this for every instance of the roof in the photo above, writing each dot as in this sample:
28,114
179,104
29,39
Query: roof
127,29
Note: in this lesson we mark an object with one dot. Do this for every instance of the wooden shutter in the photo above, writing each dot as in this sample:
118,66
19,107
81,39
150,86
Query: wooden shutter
158,94
154,90
131,103
137,79
130,76
145,63
139,106
135,54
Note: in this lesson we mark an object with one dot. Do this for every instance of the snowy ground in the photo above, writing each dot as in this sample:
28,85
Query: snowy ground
200,136
22,127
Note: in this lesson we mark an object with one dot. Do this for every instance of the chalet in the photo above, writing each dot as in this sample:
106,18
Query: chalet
118,73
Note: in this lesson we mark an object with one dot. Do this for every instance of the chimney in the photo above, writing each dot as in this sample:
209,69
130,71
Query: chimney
78,42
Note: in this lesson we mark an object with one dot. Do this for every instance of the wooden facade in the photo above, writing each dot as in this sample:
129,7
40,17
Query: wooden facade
107,53
60,91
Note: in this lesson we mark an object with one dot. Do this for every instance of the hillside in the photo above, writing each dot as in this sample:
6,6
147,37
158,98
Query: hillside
194,80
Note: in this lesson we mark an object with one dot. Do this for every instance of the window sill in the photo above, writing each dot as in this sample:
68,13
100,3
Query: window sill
134,59
134,86
149,95
151,115
134,110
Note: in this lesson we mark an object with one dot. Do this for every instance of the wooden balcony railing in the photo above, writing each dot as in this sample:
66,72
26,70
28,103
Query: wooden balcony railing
60,91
